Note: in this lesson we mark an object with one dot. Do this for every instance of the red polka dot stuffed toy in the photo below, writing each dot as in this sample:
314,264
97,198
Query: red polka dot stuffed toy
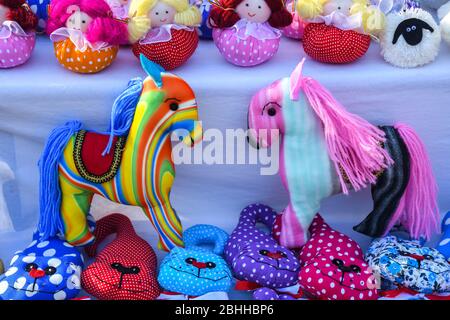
333,267
126,268
171,38
339,31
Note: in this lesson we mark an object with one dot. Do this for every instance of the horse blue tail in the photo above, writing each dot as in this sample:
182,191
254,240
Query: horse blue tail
50,220
123,109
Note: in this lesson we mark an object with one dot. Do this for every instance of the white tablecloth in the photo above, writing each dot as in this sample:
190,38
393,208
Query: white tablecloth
40,95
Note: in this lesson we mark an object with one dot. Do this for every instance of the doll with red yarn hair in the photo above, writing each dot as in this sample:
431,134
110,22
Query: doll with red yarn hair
17,33
246,32
86,35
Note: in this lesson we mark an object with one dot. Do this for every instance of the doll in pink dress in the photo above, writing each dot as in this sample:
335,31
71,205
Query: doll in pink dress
296,28
17,33
247,32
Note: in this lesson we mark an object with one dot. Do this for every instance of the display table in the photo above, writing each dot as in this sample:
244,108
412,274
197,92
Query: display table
40,95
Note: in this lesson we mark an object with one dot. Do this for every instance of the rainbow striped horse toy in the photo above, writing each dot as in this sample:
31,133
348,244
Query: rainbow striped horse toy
326,150
131,164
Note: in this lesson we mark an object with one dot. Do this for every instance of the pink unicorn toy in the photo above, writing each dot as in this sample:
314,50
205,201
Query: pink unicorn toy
326,150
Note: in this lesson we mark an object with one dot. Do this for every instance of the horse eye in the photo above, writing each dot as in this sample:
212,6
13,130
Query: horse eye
263,252
174,106
190,260
272,112
30,266
210,265
50,270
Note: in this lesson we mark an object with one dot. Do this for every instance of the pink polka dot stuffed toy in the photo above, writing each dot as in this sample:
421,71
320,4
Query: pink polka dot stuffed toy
17,33
171,38
247,32
333,267
296,28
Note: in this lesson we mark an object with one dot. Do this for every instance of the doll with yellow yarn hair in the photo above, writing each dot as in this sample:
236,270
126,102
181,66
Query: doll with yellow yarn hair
171,38
339,31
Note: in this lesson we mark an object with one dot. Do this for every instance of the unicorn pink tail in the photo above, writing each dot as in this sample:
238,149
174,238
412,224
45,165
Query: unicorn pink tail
418,210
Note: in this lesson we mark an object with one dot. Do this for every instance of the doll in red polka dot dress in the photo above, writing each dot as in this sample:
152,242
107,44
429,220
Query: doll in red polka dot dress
339,31
17,33
247,32
171,38
333,267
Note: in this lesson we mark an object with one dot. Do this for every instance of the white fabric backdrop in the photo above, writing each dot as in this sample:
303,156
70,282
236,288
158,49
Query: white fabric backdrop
41,95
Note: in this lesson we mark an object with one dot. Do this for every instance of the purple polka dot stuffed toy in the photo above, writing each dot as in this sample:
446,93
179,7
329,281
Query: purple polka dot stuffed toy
258,261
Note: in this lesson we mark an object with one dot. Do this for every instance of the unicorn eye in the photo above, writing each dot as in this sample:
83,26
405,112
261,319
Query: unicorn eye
272,112
174,106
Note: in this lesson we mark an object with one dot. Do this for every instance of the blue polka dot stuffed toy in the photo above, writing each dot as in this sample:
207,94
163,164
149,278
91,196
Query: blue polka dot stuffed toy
197,270
40,8
444,244
46,270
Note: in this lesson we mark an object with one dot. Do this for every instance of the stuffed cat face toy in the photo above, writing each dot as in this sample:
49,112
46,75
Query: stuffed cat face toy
195,270
408,264
333,267
47,270
255,256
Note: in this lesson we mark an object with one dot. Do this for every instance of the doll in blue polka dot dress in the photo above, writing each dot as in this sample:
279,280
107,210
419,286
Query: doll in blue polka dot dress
444,243
40,8
46,270
197,272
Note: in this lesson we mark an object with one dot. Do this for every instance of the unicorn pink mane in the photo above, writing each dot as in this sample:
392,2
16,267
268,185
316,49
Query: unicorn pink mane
354,145
103,28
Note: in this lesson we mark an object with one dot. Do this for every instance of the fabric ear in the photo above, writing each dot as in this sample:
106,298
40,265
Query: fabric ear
296,80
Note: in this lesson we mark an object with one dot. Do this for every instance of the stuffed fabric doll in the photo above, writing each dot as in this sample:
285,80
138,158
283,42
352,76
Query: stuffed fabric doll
258,261
171,38
126,268
246,32
444,17
86,37
119,8
296,28
444,243
333,267
410,265
17,33
40,8
339,31
411,38
45,270
196,272
205,30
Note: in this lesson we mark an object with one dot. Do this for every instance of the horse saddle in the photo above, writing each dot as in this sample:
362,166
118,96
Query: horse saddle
90,162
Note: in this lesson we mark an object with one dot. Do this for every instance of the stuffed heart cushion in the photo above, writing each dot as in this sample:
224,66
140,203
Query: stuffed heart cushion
333,267
329,44
408,264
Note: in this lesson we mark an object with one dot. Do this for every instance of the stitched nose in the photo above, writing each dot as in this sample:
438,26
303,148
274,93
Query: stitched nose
35,273
200,265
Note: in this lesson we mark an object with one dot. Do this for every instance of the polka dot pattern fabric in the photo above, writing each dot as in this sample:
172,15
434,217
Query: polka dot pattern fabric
333,267
255,256
45,270
87,62
244,53
126,268
170,54
16,50
296,28
40,8
197,270
329,44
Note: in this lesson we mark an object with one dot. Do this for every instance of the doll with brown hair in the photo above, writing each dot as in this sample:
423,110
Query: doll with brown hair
246,32
171,38
86,35
17,33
